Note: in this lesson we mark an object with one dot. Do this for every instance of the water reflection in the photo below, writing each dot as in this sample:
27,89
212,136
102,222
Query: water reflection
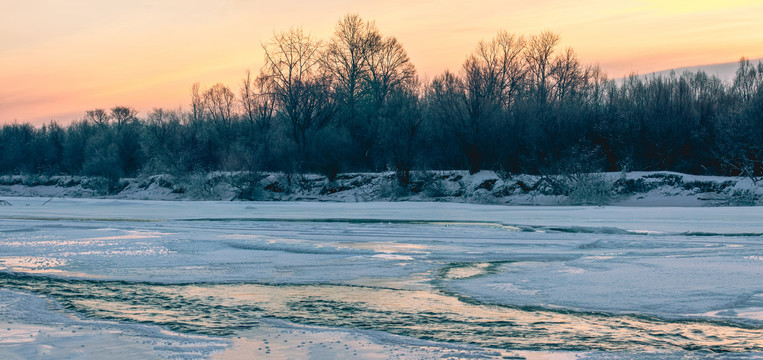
223,309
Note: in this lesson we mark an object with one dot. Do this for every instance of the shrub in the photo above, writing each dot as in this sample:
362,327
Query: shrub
590,189
101,185
738,197
432,186
246,184
391,189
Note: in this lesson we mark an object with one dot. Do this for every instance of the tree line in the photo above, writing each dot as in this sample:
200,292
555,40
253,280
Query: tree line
355,103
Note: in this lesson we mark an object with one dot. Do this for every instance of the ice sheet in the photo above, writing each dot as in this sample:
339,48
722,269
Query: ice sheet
692,273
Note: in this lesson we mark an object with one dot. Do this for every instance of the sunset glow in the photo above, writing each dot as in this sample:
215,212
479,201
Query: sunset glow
59,59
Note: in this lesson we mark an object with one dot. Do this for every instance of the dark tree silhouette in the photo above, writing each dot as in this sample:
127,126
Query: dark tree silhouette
519,104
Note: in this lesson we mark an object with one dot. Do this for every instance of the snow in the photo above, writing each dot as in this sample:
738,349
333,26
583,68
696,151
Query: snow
287,268
634,189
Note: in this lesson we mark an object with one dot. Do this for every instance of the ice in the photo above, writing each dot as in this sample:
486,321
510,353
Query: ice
29,329
717,220
665,285
680,277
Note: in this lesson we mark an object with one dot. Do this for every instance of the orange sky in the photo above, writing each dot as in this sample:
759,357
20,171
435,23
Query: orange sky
60,58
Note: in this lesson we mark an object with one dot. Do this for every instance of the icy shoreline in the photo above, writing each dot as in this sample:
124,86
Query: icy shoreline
486,187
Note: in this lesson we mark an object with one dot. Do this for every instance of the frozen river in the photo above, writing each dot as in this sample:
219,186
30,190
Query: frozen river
377,280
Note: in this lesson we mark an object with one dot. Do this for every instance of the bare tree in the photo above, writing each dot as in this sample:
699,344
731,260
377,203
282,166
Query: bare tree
448,106
163,142
197,103
740,144
403,119
220,105
97,116
497,69
739,148
596,85
258,101
123,115
472,104
301,87
388,68
346,58
291,57
568,76
748,79
539,56
493,73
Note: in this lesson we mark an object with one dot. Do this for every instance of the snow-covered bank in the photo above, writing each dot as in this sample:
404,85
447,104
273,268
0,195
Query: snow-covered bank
486,187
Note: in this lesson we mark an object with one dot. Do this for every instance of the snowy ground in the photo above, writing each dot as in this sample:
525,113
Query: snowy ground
207,279
486,187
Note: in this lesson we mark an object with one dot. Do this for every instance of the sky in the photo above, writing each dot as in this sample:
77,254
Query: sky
61,58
